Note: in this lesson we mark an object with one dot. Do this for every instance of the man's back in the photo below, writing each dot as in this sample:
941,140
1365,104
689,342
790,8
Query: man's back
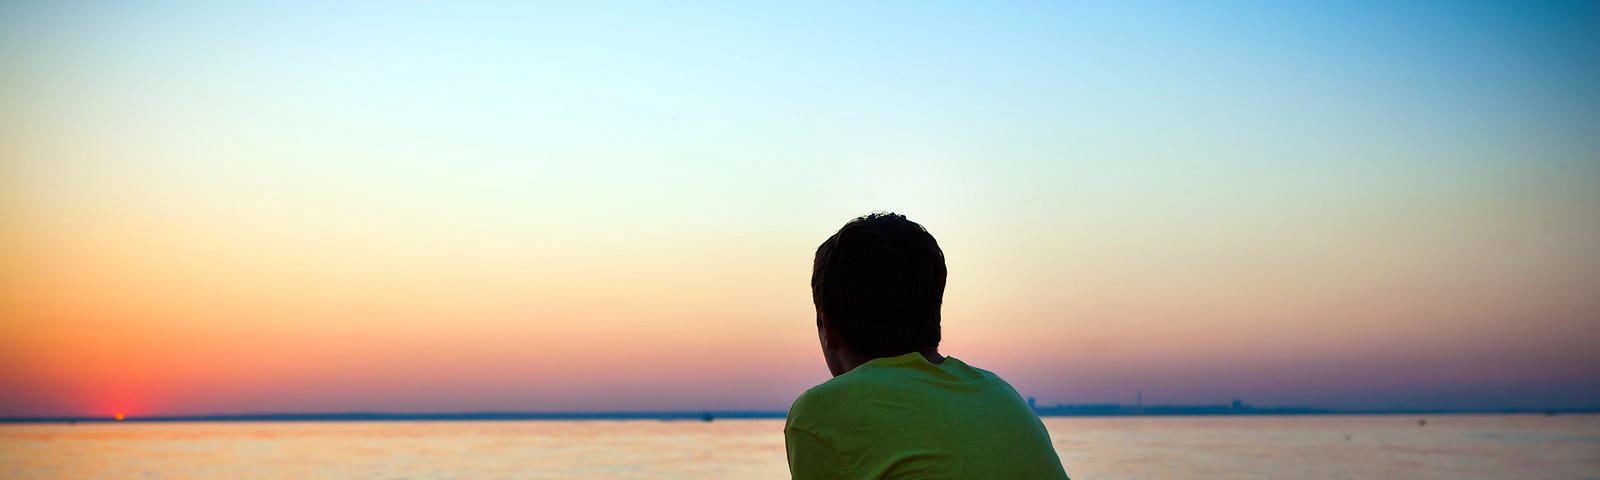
903,417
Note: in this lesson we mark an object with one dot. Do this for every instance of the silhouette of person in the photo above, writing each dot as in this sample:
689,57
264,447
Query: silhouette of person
896,407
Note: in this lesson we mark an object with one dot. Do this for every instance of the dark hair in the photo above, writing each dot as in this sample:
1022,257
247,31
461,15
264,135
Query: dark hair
880,281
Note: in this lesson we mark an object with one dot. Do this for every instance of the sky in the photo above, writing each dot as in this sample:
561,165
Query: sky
220,207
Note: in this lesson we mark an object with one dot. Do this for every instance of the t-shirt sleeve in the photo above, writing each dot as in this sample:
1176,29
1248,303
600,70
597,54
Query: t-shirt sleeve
809,458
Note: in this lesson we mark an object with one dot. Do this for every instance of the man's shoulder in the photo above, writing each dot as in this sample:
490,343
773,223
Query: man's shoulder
994,379
826,397
972,371
840,400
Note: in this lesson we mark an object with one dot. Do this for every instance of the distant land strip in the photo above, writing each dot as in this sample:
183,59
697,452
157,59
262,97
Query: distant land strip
1105,410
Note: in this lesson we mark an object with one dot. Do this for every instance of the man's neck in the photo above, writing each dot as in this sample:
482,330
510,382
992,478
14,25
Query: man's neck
853,360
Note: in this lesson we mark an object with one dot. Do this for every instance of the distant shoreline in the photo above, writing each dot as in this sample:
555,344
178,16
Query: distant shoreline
1056,411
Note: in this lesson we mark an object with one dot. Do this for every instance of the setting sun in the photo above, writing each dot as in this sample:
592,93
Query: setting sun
465,239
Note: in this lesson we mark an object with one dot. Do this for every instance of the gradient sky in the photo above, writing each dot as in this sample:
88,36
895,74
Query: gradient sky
255,207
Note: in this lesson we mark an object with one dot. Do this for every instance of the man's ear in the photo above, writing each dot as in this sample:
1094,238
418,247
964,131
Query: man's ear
822,329
827,332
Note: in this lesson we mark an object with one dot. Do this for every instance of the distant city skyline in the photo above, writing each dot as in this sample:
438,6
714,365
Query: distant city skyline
227,207
1237,407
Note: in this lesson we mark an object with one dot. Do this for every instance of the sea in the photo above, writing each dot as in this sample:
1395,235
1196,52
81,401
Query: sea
1225,447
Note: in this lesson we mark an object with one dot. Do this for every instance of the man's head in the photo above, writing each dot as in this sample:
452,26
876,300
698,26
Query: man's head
878,284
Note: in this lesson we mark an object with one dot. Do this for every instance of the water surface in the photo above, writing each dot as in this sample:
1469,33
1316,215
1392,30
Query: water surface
1448,446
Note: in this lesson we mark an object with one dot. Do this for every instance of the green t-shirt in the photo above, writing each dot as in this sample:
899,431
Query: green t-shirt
903,417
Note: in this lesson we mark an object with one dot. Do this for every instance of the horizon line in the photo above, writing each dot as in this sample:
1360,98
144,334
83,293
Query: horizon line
1083,410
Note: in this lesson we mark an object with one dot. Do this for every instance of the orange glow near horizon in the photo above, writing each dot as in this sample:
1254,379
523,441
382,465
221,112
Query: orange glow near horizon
120,416
235,209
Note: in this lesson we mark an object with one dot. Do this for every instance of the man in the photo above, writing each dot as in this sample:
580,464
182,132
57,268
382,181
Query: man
896,407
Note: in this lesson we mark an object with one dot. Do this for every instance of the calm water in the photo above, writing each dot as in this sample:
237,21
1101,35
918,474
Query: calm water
1453,446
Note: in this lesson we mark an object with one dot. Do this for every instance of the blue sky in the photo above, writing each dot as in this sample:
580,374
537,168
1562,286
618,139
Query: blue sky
1360,204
